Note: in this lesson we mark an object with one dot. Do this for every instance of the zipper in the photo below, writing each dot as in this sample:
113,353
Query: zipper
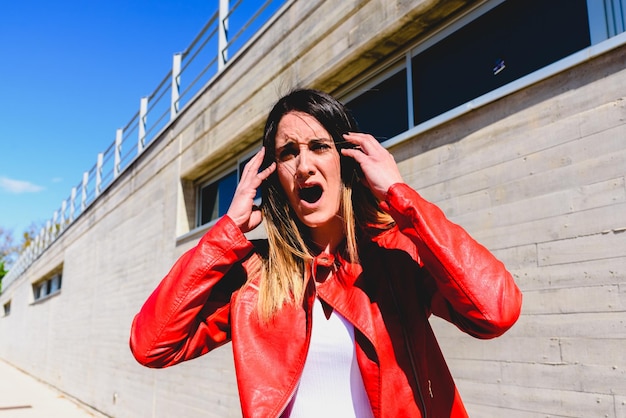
407,347
292,392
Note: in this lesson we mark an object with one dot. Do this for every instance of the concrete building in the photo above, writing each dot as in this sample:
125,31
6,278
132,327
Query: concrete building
510,115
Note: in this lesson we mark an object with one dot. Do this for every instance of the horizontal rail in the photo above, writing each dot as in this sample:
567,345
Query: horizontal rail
192,69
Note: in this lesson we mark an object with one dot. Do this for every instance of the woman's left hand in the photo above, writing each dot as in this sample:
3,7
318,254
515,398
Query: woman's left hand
378,165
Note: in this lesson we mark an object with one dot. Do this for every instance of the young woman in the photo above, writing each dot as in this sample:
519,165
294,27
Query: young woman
329,315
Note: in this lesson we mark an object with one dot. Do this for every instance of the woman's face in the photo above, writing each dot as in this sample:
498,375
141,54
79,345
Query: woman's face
309,172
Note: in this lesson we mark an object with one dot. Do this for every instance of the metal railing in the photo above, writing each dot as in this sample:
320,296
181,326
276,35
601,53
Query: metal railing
192,69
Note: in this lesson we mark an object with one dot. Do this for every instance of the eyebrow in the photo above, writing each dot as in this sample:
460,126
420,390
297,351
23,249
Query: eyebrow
290,141
321,140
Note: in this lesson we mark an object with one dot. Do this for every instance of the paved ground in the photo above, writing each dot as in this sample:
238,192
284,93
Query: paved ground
23,396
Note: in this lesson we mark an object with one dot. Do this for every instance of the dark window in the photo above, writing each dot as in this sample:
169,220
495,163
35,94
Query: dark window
506,43
7,308
55,283
382,110
215,197
47,287
37,290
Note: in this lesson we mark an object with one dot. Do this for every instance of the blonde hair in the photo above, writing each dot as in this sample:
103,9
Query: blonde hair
283,275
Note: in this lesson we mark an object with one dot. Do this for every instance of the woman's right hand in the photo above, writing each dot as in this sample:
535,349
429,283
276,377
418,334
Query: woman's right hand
242,209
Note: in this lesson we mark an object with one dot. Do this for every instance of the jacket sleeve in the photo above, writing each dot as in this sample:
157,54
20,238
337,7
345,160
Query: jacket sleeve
473,289
187,315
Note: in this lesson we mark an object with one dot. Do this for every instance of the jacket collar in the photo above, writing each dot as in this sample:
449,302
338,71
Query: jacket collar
345,291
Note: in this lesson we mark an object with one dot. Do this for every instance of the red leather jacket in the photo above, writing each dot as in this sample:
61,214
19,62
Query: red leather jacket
425,264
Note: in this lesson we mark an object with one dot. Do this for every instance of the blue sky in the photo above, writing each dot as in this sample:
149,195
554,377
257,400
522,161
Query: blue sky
71,73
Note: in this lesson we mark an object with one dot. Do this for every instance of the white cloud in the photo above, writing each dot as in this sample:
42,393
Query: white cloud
56,180
18,186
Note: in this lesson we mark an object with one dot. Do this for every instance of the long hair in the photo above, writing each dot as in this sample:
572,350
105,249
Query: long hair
283,274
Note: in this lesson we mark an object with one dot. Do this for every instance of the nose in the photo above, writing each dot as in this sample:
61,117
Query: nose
305,164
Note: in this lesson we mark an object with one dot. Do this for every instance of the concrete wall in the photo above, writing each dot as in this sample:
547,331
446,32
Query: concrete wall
538,177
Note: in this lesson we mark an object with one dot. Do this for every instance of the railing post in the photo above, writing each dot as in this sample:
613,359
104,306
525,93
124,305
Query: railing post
72,203
83,200
176,66
63,209
42,242
53,231
118,152
222,37
36,243
32,249
32,253
99,173
48,235
143,119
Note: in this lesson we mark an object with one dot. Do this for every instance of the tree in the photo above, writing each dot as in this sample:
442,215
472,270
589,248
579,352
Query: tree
28,236
10,251
3,272
7,247
7,252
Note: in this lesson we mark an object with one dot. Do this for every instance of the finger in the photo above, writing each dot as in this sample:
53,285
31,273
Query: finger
250,176
365,142
264,174
255,162
360,137
356,154
353,138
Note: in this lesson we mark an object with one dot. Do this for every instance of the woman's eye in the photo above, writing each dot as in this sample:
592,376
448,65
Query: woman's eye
287,154
320,147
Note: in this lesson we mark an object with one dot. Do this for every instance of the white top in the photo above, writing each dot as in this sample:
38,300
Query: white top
331,384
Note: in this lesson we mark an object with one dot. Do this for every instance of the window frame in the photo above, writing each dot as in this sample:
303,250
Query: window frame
486,34
600,44
47,284
603,23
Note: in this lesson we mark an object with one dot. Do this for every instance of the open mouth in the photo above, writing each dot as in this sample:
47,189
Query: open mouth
311,194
